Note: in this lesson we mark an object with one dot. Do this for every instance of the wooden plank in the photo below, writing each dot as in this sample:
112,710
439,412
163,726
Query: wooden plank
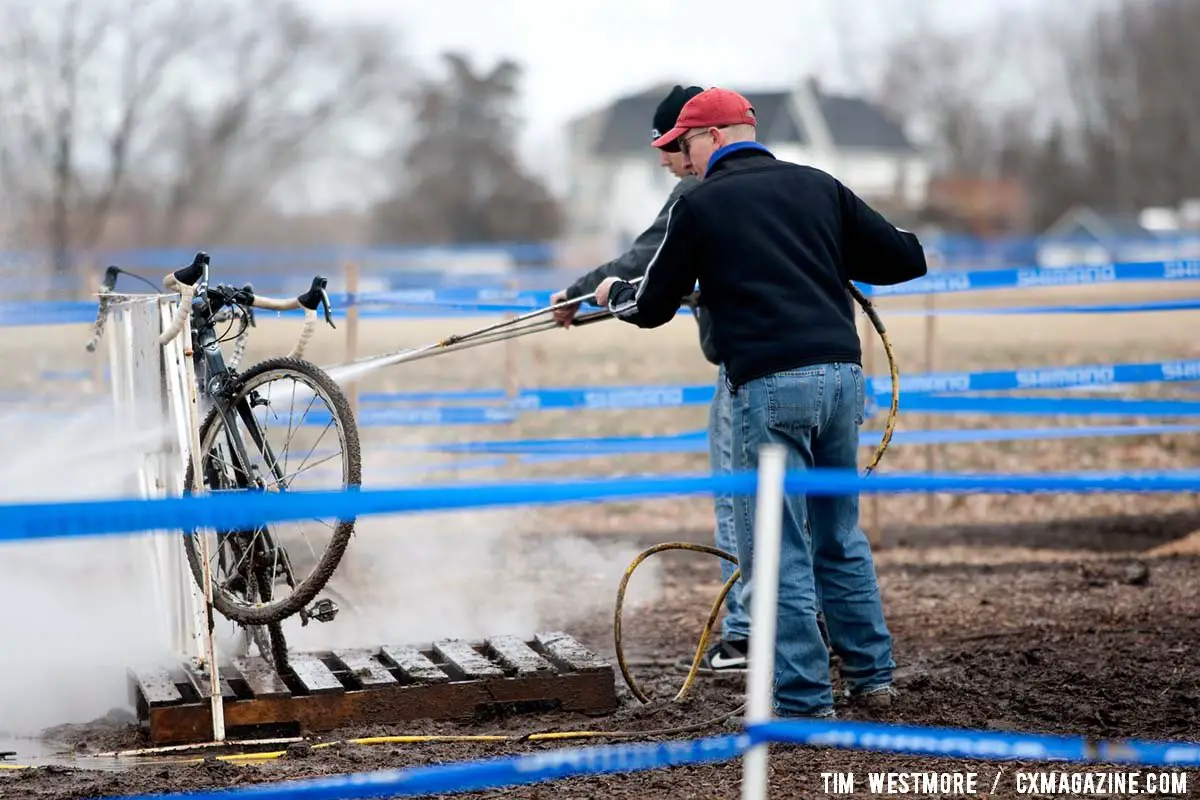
569,653
413,663
313,675
439,698
517,657
464,658
157,687
201,684
261,677
365,668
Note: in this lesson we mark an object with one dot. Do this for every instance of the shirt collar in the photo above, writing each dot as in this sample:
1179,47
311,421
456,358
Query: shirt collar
721,152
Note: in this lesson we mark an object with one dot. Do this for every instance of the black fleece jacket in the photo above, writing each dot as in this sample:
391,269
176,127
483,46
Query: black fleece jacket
632,264
772,245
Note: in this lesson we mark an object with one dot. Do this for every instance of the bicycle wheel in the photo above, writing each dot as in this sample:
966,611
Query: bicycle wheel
285,565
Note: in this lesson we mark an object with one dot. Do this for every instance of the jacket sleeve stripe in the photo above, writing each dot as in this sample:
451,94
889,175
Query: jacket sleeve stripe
631,307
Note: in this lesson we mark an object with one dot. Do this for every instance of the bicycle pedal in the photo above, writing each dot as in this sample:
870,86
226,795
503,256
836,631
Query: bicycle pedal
324,610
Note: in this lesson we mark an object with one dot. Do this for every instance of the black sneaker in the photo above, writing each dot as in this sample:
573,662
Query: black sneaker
723,658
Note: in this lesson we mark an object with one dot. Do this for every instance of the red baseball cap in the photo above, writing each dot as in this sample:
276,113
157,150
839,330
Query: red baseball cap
712,108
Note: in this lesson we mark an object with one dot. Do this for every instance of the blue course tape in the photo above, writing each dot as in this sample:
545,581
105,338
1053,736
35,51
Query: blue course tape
497,298
697,441
879,387
961,743
443,415
684,396
1075,406
916,740
605,397
75,312
432,396
505,771
446,308
1190,304
239,510
492,773
1041,378
934,283
1040,277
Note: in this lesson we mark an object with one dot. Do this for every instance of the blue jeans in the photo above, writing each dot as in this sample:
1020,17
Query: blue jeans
736,624
815,412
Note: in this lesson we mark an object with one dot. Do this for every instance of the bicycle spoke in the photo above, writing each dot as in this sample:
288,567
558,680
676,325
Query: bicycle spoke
312,399
264,568
313,465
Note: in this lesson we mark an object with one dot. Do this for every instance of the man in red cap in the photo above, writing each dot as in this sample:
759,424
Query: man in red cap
772,246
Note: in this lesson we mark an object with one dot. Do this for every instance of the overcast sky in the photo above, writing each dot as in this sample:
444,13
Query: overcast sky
579,55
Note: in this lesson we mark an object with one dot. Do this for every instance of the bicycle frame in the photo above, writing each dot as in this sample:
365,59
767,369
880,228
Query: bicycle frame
216,381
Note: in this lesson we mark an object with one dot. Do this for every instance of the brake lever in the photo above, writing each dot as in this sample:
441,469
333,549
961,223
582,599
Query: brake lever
248,307
110,279
328,310
196,272
316,297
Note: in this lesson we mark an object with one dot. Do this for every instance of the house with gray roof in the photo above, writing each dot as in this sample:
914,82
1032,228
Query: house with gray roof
617,184
1084,235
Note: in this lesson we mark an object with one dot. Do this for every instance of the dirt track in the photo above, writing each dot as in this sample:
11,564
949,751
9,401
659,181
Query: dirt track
1070,629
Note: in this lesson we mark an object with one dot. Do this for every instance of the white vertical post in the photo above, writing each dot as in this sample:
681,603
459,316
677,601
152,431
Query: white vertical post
191,636
210,639
760,683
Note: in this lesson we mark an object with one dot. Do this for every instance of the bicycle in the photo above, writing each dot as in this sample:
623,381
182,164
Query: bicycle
252,564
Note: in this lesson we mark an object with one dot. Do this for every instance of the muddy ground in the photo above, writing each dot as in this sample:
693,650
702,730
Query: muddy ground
1064,614
1068,627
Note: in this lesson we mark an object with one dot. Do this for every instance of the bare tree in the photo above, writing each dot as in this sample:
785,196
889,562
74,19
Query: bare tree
944,85
460,180
1090,103
1133,74
161,108
294,93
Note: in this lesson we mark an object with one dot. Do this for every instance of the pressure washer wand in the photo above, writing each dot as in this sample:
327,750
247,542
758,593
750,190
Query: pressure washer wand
498,332
452,340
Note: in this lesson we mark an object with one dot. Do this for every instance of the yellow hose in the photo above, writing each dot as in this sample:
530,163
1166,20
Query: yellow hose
545,736
890,426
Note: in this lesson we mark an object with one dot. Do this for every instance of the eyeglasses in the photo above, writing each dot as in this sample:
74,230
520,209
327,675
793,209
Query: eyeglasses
683,140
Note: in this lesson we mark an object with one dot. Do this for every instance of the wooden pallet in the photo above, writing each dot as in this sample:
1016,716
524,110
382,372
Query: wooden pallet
446,680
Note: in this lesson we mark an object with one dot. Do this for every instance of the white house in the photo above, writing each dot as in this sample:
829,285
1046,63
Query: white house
1084,235
617,184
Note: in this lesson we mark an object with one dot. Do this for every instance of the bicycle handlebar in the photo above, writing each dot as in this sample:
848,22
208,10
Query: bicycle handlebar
185,280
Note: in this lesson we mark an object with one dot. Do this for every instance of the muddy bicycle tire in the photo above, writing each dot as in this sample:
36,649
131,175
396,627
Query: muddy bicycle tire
306,590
